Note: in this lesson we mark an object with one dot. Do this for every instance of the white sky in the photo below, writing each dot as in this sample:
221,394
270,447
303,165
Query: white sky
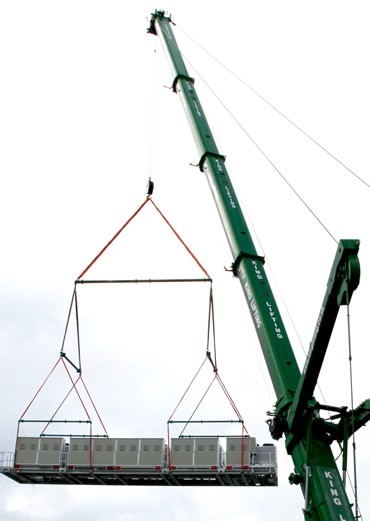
84,121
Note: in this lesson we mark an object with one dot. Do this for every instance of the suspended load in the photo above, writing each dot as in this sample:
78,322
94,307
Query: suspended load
142,461
97,459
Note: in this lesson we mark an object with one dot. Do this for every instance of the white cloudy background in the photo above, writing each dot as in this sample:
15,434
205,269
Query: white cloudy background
85,120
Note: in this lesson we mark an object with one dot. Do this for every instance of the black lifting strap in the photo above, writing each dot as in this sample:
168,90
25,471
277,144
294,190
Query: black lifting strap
211,321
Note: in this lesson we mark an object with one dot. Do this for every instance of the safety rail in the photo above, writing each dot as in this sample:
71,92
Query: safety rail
6,460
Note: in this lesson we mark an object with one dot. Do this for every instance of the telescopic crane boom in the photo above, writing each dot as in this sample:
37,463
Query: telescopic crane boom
296,415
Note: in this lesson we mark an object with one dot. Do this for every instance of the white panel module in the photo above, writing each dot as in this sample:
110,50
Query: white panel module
27,451
207,452
182,452
152,452
127,451
79,452
238,451
50,451
103,452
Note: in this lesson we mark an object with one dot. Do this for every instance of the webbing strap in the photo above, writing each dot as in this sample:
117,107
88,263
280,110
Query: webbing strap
93,404
42,385
112,239
183,396
197,407
211,321
223,387
73,387
60,406
179,238
124,226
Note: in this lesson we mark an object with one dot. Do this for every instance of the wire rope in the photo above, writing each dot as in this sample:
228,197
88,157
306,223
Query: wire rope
280,174
359,514
276,110
30,502
294,326
153,111
264,154
352,407
278,171
271,162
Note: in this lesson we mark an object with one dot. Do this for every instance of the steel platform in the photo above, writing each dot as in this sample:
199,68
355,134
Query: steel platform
196,477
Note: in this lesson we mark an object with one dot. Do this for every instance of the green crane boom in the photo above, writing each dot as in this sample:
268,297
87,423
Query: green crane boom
296,415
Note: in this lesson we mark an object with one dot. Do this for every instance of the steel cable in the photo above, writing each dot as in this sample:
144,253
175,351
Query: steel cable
264,154
277,110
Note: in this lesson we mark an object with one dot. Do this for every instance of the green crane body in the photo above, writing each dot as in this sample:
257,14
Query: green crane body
296,415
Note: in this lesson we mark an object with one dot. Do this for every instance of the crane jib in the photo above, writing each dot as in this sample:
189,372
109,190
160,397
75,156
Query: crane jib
283,369
296,414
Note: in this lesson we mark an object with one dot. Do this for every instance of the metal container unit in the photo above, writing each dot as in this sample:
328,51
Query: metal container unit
239,451
50,451
39,451
196,453
79,452
103,451
26,451
152,452
120,452
140,452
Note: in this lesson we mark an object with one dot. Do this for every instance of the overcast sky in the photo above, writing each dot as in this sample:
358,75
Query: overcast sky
85,120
